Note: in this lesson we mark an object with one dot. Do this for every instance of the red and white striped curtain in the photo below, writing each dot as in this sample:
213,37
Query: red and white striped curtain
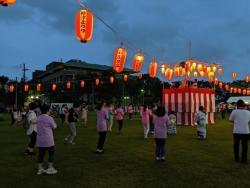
186,102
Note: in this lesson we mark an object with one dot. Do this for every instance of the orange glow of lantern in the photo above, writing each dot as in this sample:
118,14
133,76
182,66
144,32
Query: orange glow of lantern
169,74
97,81
239,91
137,62
84,25
216,82
193,65
226,87
202,73
210,76
163,69
214,68
26,87
125,77
188,65
244,92
195,74
209,69
153,69
11,88
234,75
38,87
247,79
220,85
82,84
7,2
199,67
248,92
220,71
140,75
231,89
111,79
53,87
119,59
235,90
68,85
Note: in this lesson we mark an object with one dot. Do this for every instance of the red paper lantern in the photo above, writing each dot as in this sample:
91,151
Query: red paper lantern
97,81
234,75
244,92
11,88
119,59
82,84
84,25
235,90
125,78
26,88
169,74
53,87
247,79
231,89
137,62
7,2
239,91
216,82
220,71
195,74
38,87
226,87
220,85
153,69
140,75
68,85
111,79
248,92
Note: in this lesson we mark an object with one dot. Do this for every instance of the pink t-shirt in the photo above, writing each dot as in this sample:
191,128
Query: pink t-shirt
45,126
102,116
130,109
119,114
145,117
160,126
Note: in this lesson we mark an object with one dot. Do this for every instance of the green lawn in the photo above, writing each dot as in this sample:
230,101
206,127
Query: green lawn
128,160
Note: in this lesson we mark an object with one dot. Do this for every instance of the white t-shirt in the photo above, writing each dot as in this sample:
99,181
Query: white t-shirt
32,127
241,118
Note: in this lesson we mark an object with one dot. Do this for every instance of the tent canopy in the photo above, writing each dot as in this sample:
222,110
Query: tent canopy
246,99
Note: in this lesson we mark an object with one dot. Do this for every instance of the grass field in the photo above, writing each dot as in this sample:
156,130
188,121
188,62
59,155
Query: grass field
128,160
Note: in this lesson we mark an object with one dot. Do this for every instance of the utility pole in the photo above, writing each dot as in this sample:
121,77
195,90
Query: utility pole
16,94
24,69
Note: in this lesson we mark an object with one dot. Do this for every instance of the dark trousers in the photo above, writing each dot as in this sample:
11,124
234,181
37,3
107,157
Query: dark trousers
130,115
42,151
32,140
120,123
62,116
160,147
243,138
101,140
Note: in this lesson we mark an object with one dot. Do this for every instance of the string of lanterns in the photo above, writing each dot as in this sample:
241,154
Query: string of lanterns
7,2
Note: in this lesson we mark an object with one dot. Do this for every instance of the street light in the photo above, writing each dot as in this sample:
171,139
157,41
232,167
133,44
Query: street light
142,91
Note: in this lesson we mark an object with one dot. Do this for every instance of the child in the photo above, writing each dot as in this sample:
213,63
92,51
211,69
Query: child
119,113
72,119
172,124
160,132
102,116
85,115
200,120
110,116
45,140
145,120
32,129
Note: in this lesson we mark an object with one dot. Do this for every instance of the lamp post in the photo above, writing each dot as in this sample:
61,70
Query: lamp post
142,91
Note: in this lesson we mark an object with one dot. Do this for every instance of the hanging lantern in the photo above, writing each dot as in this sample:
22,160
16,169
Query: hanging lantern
235,90
111,79
7,2
137,62
181,71
209,69
125,77
248,92
231,89
140,75
163,69
202,74
226,87
234,75
193,65
244,92
84,25
97,81
220,85
216,82
239,91
210,76
38,87
119,59
68,85
247,79
53,87
199,67
220,71
204,68
188,65
11,88
153,69
195,74
169,74
82,84
214,68
26,88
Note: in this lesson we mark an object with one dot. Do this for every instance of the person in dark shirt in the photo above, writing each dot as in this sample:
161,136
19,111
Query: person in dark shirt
72,119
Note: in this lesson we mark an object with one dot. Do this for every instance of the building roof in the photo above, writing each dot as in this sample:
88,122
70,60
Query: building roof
246,99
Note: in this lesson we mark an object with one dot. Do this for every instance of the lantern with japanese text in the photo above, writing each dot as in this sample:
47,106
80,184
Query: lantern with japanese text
153,69
26,88
84,25
111,79
53,87
119,59
97,81
234,75
11,88
38,87
82,83
220,85
137,62
125,77
7,2
68,85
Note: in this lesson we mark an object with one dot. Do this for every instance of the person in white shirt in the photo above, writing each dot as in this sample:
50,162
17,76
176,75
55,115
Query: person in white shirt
240,117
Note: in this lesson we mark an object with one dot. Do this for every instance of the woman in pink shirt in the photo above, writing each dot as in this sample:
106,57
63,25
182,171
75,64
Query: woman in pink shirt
45,140
145,120
102,116
119,113
160,121
130,111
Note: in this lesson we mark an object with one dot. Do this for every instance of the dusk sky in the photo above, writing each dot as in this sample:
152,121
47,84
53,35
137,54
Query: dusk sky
37,32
